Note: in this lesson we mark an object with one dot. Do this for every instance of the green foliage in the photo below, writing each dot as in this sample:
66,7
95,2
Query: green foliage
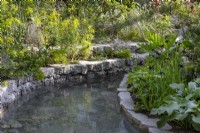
191,48
39,75
149,83
16,59
57,57
35,33
181,107
122,53
142,20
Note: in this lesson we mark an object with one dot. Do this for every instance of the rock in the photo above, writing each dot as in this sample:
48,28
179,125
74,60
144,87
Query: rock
76,68
98,67
123,82
4,88
130,62
5,126
126,101
14,124
122,89
48,81
90,76
12,85
155,130
67,69
21,80
7,98
106,65
48,71
58,69
84,69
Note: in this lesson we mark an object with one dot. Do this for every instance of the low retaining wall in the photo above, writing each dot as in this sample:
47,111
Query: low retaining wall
58,73
143,122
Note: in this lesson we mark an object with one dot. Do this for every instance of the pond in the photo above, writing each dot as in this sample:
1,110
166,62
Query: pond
89,107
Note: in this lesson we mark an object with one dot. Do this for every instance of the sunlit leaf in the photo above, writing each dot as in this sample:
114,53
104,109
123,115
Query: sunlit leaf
177,86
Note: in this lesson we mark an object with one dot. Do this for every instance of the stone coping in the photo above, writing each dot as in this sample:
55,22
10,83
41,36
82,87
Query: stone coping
59,73
142,121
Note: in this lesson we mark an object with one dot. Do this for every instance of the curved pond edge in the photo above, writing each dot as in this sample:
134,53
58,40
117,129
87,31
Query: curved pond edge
59,73
142,121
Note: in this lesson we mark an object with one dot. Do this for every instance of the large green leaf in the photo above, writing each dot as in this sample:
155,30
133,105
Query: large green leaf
187,44
180,117
196,126
196,119
197,80
196,122
177,86
162,121
165,119
196,93
173,106
192,85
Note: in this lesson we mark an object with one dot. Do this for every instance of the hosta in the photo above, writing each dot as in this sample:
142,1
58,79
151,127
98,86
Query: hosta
182,107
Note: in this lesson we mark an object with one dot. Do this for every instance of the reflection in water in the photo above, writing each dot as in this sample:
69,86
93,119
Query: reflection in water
82,108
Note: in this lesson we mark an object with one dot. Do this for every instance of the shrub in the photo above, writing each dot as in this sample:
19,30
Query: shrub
39,75
122,53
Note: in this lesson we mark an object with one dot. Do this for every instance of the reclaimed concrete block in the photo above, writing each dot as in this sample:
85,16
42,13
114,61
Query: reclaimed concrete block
123,82
152,122
125,100
122,90
155,130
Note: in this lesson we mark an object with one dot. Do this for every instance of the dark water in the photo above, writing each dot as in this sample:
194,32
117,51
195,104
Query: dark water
73,108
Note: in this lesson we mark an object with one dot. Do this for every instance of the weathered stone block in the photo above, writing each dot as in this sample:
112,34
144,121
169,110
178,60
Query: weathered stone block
49,81
76,69
106,65
7,98
67,69
130,62
84,69
48,71
21,81
12,85
97,67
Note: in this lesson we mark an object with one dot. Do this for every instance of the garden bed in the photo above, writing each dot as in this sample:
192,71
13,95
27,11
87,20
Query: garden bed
145,123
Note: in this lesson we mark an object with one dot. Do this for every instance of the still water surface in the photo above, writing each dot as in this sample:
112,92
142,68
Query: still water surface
73,108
